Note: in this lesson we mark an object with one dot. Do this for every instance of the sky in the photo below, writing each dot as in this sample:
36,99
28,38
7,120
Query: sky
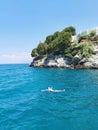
25,23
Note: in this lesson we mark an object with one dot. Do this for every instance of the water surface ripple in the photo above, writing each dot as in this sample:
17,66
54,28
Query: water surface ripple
23,106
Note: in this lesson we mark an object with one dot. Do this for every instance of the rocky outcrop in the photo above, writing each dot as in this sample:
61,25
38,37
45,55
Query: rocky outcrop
64,62
52,61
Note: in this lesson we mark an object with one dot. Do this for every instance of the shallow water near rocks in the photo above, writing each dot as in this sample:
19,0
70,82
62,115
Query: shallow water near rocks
23,106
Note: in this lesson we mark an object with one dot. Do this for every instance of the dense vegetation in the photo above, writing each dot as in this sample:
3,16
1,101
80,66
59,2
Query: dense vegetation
61,43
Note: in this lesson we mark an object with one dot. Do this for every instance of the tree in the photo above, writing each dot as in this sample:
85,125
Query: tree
64,40
52,47
71,30
34,52
60,43
56,34
42,49
49,39
71,50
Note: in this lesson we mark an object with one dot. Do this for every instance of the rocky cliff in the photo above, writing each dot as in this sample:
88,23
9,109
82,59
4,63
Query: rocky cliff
64,62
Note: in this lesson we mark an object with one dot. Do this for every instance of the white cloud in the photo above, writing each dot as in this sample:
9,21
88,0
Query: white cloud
15,58
11,56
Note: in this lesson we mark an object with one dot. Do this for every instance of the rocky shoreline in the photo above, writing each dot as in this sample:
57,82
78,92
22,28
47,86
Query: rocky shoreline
63,62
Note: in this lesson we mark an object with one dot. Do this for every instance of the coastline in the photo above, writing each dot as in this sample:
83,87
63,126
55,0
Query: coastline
63,62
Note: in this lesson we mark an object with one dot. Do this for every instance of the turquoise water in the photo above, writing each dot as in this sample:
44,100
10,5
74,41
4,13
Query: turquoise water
23,106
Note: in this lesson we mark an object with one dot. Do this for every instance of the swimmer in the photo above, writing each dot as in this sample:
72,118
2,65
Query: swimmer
53,90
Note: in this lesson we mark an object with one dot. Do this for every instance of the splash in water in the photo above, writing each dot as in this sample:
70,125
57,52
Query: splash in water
50,89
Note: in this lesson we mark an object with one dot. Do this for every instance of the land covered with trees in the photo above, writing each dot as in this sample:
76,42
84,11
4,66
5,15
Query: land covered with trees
62,43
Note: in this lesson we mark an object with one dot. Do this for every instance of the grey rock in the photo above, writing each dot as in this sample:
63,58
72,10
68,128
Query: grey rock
82,61
76,59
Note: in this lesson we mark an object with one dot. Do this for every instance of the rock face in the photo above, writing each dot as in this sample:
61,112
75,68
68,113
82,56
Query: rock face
64,62
52,61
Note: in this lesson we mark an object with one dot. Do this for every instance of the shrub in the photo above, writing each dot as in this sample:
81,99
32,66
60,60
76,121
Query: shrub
92,33
69,55
85,49
83,37
81,49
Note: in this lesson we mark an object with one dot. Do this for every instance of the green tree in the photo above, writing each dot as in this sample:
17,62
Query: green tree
52,46
49,39
71,30
64,40
60,43
56,34
42,49
34,52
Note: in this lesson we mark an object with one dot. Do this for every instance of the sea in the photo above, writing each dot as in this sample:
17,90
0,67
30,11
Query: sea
24,106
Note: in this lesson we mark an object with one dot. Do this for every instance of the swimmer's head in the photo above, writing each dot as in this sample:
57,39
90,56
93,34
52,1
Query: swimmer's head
49,88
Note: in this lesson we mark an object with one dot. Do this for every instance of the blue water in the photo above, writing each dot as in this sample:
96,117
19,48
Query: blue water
23,106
